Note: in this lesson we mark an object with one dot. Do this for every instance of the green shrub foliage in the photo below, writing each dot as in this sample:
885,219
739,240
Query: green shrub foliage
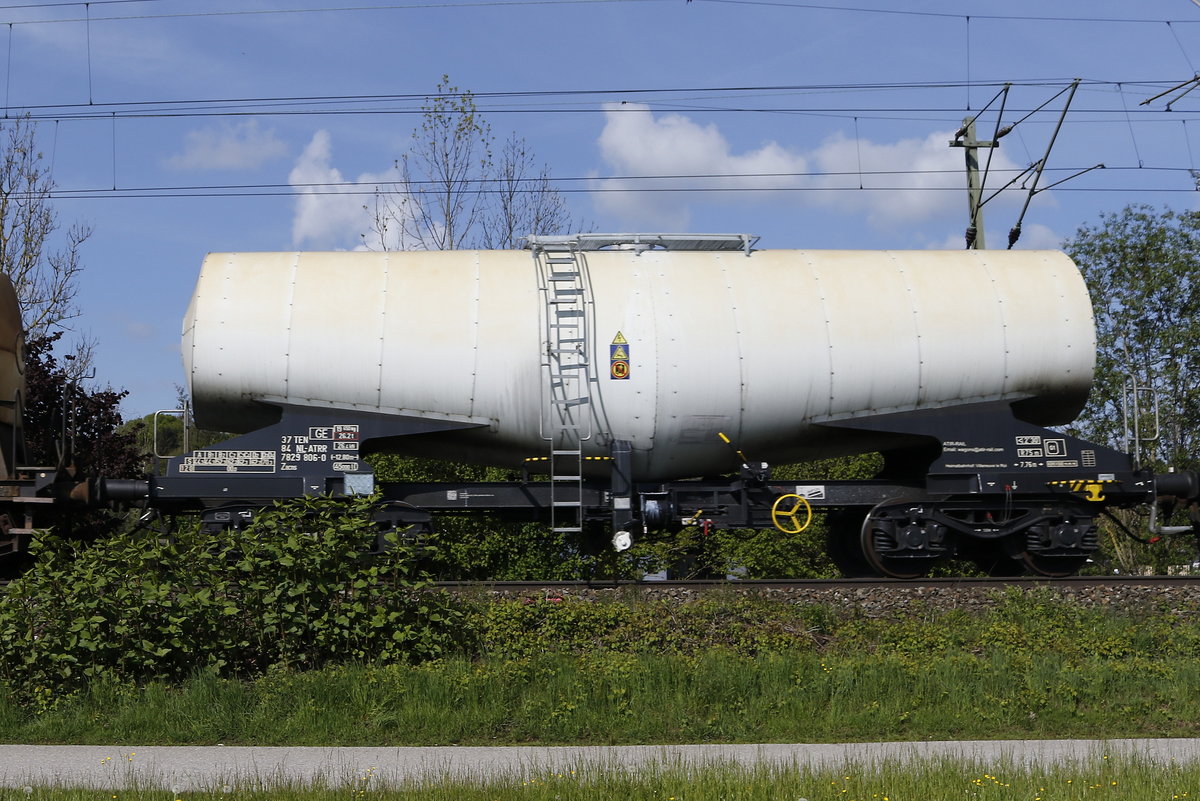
294,589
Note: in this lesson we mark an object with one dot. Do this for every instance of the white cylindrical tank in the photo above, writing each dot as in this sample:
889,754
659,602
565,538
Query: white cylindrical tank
763,347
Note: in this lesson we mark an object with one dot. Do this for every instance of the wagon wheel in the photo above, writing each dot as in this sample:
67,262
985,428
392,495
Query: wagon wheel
898,544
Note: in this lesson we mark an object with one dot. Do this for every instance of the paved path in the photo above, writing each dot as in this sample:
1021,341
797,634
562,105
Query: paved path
182,768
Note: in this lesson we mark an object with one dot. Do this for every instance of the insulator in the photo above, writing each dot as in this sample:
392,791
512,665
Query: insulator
1013,235
971,233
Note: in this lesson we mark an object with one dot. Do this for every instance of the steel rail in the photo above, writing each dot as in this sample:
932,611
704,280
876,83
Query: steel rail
750,585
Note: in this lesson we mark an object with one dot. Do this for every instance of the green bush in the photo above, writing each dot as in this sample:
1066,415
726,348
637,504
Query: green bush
292,589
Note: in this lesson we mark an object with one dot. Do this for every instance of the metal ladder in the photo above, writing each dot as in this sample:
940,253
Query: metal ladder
566,422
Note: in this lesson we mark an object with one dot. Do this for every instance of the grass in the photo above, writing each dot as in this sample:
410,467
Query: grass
1123,778
731,670
736,671
607,698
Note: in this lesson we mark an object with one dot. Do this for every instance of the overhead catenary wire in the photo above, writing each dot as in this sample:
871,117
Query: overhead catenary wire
8,71
1182,49
450,5
88,18
379,104
1187,140
968,61
66,3
1015,232
571,101
1132,135
858,153
416,6
944,14
127,194
88,36
598,185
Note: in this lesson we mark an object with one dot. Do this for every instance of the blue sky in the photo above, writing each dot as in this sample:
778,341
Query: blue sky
181,127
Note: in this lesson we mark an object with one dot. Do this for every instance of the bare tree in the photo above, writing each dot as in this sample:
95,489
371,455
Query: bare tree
524,201
45,276
436,203
451,193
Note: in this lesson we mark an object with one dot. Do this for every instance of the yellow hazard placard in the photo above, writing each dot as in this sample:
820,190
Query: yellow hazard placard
618,358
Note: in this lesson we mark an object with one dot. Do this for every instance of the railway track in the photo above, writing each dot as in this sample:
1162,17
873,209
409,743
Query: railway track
751,585
845,584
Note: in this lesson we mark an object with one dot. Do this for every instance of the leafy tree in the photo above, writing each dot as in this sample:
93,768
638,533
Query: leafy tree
1141,268
452,192
69,425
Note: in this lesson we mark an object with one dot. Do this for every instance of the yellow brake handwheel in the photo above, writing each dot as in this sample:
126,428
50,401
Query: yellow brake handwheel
788,520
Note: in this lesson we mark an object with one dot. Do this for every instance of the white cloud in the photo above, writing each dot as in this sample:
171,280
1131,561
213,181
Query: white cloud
903,182
327,215
635,143
231,147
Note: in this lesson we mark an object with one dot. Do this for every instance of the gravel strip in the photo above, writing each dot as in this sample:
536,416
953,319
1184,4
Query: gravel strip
181,768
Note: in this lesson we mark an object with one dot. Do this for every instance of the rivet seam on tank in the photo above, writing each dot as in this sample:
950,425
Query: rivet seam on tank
912,302
737,333
291,310
475,334
383,307
823,297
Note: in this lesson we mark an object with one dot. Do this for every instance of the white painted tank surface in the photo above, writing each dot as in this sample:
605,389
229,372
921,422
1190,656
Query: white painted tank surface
763,347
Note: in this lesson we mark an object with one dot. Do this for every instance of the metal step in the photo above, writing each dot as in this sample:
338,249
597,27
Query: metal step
567,369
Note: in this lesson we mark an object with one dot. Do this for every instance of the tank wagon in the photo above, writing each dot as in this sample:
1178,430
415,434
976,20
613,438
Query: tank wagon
637,382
